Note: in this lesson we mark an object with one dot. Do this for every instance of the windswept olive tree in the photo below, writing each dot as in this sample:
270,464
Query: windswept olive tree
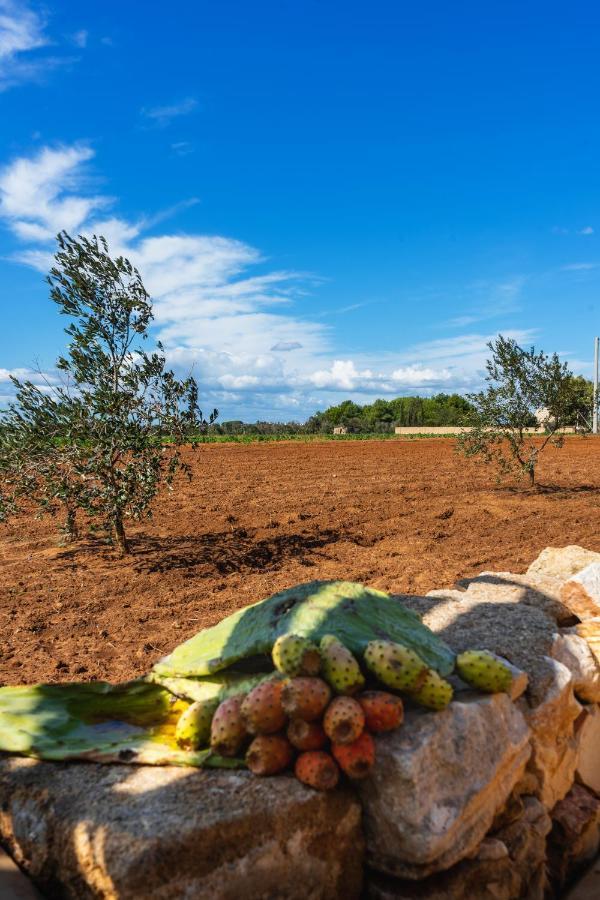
109,433
526,389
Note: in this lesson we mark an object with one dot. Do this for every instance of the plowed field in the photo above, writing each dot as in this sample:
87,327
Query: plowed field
404,516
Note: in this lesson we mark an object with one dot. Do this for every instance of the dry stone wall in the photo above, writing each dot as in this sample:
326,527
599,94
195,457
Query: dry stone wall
495,797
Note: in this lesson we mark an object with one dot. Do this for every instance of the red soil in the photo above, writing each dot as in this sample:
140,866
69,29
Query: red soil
404,516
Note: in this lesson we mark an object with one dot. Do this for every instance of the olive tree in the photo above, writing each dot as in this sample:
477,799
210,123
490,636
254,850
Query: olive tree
109,433
526,389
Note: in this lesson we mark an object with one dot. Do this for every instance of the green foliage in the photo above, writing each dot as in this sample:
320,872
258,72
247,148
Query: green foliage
522,385
382,415
96,442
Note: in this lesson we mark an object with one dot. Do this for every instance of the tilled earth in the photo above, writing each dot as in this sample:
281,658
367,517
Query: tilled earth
403,516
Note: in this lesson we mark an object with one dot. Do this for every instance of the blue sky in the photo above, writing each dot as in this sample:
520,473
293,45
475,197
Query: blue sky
325,199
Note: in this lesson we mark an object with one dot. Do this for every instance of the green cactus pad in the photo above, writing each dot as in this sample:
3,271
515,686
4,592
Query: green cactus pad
133,722
355,614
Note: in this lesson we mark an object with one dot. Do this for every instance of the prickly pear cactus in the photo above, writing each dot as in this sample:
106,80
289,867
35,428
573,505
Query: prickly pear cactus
353,613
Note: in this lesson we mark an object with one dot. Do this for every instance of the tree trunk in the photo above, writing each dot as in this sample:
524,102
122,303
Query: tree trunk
69,529
120,536
531,476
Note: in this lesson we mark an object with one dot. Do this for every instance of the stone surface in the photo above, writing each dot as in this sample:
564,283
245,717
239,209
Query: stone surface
135,833
575,838
541,591
438,783
508,866
574,653
562,562
588,734
554,745
581,593
590,632
520,633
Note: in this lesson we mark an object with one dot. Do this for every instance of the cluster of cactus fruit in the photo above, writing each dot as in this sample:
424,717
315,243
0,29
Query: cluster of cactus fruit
314,713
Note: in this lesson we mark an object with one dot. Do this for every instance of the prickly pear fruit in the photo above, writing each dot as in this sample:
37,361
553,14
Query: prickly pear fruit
317,769
383,711
269,754
193,726
344,720
433,692
393,664
340,668
306,735
228,730
355,759
262,710
305,698
484,670
294,655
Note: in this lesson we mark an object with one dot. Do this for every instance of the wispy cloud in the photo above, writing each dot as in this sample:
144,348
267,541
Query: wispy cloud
80,38
579,267
23,43
162,115
489,300
182,148
286,346
586,231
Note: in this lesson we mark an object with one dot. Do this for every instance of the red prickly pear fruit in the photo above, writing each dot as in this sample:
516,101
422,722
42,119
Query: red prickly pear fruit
356,759
228,731
344,720
383,711
306,735
262,710
317,769
305,698
269,754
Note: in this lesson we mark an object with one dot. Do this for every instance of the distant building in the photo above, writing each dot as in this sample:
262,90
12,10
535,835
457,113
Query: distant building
340,429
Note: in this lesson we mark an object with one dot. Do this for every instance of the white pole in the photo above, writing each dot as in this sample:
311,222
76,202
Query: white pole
595,409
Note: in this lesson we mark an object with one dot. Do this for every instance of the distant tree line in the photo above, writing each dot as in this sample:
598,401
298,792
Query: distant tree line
383,415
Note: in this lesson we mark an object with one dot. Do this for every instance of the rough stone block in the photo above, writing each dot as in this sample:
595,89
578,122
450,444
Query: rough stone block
581,593
562,562
439,782
150,833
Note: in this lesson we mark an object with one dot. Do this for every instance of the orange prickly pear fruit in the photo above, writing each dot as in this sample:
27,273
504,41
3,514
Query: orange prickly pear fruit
383,711
262,710
317,769
269,754
344,720
305,698
306,735
355,759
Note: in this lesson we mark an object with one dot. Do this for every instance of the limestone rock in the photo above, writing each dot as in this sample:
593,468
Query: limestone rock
588,734
574,653
581,593
503,868
590,632
554,745
562,562
575,837
541,591
150,833
439,782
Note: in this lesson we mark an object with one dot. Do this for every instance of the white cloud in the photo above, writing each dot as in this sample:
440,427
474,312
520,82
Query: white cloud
36,194
22,38
219,311
162,115
587,230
